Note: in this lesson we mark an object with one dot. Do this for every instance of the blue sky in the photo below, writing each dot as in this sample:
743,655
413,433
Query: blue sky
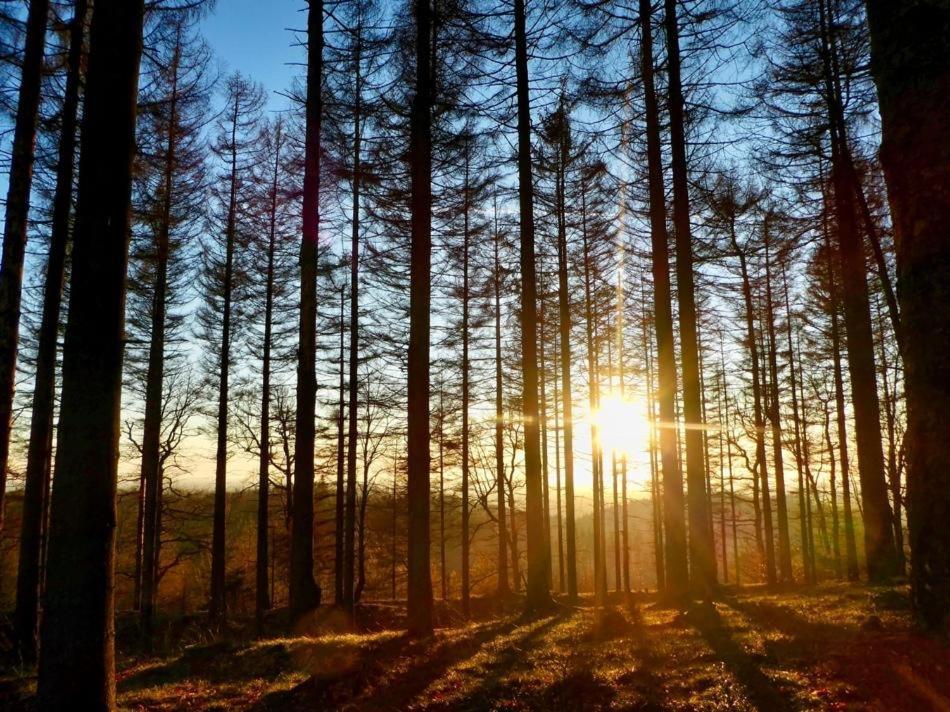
254,38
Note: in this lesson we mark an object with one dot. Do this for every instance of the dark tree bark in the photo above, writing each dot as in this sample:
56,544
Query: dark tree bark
537,594
39,453
701,551
774,414
878,534
304,591
593,389
340,465
262,598
419,612
17,220
503,586
761,477
77,651
354,358
564,326
217,604
466,395
910,57
676,573
155,375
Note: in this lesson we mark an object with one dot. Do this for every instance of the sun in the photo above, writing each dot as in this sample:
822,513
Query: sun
622,424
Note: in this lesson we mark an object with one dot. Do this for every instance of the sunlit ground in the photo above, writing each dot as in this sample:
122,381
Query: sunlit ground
835,647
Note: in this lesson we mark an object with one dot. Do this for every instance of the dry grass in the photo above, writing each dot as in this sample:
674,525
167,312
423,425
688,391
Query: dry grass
831,648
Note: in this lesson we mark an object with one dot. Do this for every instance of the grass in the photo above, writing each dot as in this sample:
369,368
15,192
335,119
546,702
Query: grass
835,647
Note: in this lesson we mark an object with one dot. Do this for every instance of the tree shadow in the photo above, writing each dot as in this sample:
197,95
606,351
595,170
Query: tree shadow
220,662
761,690
493,682
370,684
644,679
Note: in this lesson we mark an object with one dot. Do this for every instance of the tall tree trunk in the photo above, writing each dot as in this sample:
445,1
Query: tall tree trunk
349,553
656,509
154,379
564,326
503,587
700,540
465,534
420,151
797,424
217,604
762,475
16,222
676,575
543,410
893,469
262,598
36,490
593,389
304,591
833,486
77,651
538,595
851,551
878,534
338,542
910,54
443,578
774,411
561,585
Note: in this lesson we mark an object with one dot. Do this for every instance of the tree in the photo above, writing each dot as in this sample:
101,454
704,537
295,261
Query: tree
702,558
304,591
674,525
419,611
557,132
16,221
235,145
77,651
172,210
537,596
39,453
910,53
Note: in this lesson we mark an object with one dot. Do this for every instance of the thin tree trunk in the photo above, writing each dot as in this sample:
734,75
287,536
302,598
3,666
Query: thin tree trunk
557,481
77,652
349,552
466,540
419,615
304,591
338,542
760,456
442,568
774,404
503,587
593,387
263,474
217,605
151,436
36,490
564,326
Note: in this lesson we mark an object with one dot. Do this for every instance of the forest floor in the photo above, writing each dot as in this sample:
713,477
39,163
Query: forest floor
834,647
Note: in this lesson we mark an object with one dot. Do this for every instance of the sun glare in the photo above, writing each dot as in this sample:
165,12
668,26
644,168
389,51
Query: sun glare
622,425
